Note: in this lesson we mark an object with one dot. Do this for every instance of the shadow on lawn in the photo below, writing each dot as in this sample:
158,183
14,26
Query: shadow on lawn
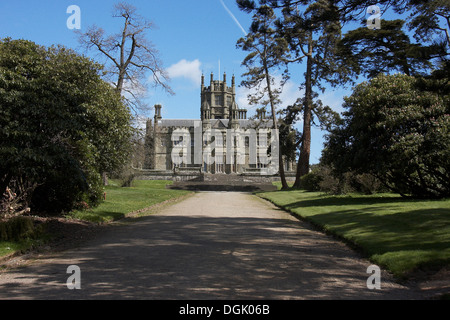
346,201
402,241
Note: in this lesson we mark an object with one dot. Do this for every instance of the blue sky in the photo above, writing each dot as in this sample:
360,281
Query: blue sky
191,36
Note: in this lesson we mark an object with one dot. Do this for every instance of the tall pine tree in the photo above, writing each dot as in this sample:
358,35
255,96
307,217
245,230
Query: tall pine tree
266,51
313,33
372,52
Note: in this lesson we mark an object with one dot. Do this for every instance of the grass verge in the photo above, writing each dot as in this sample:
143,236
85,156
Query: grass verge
121,201
399,234
118,204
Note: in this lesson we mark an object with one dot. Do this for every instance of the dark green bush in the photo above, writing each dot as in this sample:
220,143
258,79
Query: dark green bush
311,181
396,128
61,126
17,228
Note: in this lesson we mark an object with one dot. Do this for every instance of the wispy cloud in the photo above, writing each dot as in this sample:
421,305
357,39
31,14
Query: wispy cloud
233,17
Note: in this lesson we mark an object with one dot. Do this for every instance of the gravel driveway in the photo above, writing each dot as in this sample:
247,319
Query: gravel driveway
213,245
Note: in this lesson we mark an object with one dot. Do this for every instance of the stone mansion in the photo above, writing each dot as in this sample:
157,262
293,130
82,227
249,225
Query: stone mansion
222,141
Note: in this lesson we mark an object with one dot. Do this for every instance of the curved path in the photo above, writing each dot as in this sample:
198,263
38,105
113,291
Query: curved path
213,245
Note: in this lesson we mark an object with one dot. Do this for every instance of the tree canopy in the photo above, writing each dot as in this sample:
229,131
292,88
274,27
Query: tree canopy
60,125
397,129
312,30
371,52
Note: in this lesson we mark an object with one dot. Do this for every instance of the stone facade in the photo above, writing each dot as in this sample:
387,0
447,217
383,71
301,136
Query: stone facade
180,145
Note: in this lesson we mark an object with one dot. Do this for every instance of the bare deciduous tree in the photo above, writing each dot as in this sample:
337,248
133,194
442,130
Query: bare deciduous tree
130,55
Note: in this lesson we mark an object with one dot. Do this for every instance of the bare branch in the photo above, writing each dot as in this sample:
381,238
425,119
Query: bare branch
129,52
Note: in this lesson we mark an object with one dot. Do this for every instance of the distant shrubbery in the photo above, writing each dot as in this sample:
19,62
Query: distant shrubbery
321,178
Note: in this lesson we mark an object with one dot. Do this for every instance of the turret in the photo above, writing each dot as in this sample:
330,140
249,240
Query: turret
218,100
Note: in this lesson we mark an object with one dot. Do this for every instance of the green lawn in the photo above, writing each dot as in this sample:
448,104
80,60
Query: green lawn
121,201
396,233
8,247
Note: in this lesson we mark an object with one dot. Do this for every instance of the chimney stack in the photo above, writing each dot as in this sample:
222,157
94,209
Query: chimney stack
158,112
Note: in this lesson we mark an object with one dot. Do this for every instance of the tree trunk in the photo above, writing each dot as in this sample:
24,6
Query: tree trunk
105,178
284,184
120,81
305,148
122,68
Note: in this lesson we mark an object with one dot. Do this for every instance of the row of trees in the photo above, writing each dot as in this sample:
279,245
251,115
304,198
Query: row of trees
287,33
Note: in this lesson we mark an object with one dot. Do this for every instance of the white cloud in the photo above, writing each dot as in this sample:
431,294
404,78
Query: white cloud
290,93
186,69
334,99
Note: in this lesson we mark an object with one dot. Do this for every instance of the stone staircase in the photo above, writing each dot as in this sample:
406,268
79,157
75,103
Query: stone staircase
226,182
